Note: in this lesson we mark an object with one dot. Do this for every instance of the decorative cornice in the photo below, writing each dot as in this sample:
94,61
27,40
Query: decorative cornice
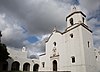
85,26
42,54
54,56
82,24
67,30
74,13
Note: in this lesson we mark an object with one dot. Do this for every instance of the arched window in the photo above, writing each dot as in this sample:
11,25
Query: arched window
54,43
43,64
73,59
26,67
83,19
54,65
88,44
15,66
35,67
71,21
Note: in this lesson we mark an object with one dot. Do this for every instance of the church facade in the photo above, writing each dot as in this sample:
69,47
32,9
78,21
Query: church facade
71,50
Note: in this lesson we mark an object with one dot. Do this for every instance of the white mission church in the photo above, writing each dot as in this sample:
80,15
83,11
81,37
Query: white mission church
70,51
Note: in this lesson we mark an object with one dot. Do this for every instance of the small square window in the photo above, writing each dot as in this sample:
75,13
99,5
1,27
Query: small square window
71,35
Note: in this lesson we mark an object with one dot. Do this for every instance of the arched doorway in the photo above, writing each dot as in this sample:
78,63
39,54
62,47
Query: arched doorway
15,66
54,65
5,66
35,67
26,67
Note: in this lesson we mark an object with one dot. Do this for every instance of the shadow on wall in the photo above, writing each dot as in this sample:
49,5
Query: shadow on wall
3,66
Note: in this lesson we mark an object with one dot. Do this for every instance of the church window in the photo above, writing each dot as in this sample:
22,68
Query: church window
71,35
43,63
73,59
71,21
96,57
88,44
83,19
54,43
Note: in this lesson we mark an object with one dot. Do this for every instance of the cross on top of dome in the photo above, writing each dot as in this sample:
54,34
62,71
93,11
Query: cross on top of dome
74,8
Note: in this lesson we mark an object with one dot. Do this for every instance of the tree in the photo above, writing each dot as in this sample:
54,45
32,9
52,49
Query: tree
4,55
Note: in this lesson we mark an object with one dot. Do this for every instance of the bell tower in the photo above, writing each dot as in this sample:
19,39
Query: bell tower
75,17
79,42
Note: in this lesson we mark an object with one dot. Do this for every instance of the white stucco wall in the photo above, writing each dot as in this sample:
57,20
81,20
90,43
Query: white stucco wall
20,57
97,52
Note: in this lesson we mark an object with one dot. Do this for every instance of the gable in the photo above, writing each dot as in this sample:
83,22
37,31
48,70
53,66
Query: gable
53,34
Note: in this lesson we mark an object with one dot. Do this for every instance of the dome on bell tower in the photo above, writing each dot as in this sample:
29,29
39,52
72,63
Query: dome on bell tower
24,49
76,16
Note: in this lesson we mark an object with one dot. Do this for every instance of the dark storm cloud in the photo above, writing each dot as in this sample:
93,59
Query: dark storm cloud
93,8
34,16
13,35
72,2
39,16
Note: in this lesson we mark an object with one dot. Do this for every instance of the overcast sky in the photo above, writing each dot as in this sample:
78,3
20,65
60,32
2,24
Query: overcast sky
28,22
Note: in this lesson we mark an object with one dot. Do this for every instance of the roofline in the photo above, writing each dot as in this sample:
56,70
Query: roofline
42,54
52,34
82,24
76,12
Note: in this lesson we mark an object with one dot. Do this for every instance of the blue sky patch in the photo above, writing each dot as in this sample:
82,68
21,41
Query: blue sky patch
97,25
32,39
75,2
